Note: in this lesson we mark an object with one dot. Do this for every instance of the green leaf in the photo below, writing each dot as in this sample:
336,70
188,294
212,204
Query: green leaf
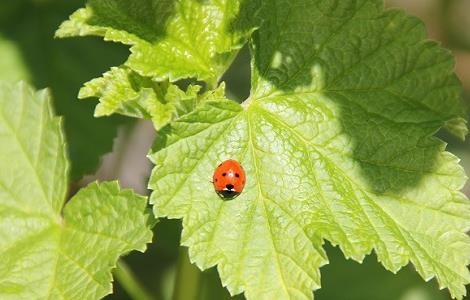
123,91
31,53
50,251
170,39
337,142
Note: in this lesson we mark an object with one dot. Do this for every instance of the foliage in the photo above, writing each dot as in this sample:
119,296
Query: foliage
336,137
52,251
342,114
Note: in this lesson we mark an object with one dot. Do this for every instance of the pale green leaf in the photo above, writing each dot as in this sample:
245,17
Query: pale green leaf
337,143
51,252
170,39
123,91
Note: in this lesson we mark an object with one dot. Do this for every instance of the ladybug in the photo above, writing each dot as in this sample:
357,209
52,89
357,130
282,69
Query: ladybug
229,179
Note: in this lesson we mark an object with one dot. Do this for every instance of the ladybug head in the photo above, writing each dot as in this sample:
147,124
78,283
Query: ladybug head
228,194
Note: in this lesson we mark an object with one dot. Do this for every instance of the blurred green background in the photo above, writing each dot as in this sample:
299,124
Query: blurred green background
28,51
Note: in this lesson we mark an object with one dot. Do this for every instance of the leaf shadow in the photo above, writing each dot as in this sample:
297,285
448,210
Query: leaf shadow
148,20
375,70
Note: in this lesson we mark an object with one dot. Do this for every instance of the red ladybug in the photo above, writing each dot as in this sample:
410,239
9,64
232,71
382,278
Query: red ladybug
229,179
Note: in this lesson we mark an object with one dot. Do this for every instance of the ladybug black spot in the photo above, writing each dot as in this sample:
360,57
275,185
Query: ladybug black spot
229,186
237,175
224,174
216,180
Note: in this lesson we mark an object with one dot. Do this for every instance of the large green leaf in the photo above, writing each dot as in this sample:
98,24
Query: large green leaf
28,51
170,39
337,142
50,251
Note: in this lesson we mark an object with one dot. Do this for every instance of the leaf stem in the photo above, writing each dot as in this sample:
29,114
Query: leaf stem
211,84
129,282
187,278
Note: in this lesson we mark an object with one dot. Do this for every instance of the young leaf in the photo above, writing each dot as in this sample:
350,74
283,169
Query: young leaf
123,91
337,143
51,252
170,39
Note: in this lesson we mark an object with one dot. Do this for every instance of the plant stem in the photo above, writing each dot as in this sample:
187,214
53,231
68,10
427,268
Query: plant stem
187,278
131,285
211,84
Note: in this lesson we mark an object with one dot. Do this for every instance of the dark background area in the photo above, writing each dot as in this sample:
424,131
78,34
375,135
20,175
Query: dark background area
28,51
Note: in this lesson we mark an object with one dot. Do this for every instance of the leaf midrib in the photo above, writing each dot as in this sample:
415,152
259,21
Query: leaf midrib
260,196
27,157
